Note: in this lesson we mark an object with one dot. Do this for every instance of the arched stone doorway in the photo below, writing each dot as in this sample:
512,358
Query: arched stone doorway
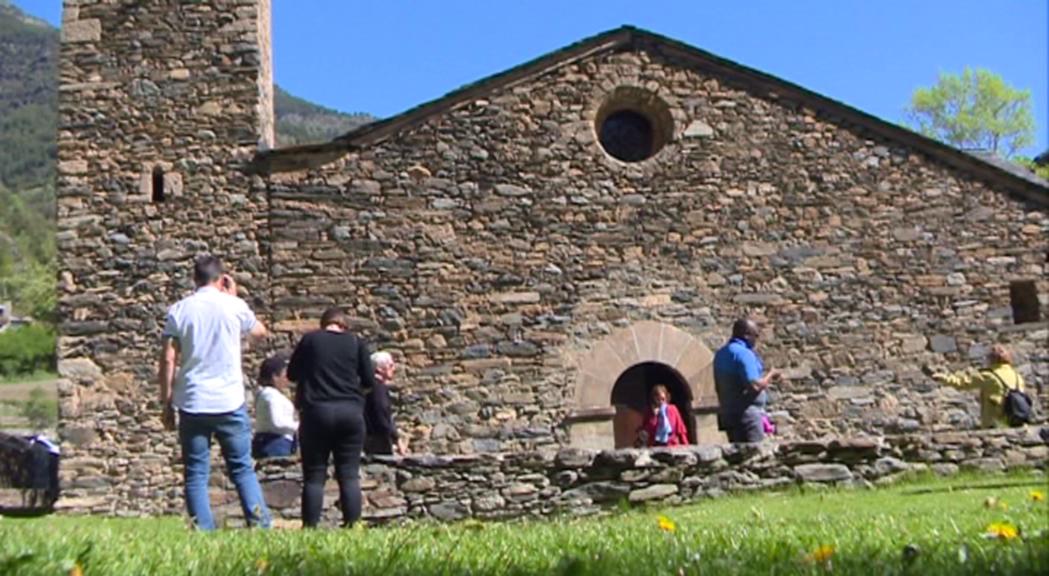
632,391
641,353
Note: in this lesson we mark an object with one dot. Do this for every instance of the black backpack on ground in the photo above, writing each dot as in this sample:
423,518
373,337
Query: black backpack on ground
1016,405
29,468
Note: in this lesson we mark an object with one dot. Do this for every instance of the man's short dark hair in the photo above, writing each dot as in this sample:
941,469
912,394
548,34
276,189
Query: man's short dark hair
207,269
335,316
744,327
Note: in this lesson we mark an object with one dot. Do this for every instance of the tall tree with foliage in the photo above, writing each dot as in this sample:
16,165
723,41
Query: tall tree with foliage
974,110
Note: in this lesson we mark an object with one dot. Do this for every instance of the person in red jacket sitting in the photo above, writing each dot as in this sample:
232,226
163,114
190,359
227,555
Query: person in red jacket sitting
663,424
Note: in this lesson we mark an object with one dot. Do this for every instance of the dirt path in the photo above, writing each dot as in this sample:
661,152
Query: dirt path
14,393
21,390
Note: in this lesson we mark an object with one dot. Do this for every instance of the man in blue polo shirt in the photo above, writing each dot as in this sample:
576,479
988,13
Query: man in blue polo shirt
741,381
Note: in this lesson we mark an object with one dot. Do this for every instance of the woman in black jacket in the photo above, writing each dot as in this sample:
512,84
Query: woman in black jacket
333,372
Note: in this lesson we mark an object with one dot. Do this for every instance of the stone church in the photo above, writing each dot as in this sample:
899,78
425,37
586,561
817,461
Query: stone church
537,248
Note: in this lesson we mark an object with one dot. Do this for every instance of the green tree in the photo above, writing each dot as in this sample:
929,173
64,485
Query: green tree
31,290
974,110
1039,171
27,251
27,350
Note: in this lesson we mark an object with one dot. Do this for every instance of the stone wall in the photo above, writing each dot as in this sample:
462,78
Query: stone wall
153,94
497,248
504,256
576,481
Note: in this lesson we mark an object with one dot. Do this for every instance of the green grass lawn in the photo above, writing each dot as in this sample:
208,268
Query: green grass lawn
927,526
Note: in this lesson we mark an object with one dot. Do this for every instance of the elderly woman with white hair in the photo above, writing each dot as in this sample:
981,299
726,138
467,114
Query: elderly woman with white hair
383,437
993,382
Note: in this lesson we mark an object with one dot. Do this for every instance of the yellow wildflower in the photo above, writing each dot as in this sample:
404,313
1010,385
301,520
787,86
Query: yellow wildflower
1002,530
76,570
666,524
261,565
1037,496
820,555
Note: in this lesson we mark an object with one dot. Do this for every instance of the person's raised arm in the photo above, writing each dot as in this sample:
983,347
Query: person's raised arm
965,379
258,331
760,384
249,324
756,381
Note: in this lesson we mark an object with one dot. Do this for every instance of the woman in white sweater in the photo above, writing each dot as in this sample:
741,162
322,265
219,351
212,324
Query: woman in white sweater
275,422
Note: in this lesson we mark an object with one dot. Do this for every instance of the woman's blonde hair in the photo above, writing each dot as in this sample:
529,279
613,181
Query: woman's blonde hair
662,387
1001,355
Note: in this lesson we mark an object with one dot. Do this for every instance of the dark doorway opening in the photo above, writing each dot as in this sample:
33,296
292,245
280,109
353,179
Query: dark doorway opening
634,386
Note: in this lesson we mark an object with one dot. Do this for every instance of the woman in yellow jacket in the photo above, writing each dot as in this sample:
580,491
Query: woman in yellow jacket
993,383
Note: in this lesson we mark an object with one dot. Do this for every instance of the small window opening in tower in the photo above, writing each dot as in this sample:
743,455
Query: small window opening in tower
1023,297
158,184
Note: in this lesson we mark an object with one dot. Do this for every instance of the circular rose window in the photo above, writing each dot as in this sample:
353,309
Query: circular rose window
633,124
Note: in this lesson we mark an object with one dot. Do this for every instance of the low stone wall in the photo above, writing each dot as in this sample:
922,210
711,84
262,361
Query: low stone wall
575,482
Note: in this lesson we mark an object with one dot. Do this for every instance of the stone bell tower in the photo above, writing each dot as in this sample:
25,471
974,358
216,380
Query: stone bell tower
162,103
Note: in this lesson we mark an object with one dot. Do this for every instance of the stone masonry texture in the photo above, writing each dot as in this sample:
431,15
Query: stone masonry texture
497,251
575,481
160,84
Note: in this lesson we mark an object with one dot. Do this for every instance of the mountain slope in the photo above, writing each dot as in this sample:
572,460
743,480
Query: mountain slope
28,98
28,104
28,130
302,122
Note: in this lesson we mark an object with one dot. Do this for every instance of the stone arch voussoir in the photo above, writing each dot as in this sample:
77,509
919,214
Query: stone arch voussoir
645,341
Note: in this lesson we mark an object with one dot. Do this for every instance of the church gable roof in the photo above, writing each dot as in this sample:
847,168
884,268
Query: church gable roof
993,172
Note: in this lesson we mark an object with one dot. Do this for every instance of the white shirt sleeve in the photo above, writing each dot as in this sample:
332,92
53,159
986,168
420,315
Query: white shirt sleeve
170,324
276,414
245,316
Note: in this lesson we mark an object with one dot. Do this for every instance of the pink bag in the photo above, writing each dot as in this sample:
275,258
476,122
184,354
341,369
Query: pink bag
767,425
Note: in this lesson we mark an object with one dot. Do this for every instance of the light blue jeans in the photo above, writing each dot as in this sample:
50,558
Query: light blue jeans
233,432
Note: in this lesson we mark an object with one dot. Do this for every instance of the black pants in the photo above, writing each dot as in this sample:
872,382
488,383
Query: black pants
378,445
331,429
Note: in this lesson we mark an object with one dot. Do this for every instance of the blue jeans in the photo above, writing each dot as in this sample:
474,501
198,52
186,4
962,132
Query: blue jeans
233,432
266,445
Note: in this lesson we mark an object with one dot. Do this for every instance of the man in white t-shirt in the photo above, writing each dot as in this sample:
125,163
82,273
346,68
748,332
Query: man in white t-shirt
202,340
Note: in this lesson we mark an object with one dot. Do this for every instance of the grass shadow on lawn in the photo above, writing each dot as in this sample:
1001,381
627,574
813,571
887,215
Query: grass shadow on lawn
25,512
966,487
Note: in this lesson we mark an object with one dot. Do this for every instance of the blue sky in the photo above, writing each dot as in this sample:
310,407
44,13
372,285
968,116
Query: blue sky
385,56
